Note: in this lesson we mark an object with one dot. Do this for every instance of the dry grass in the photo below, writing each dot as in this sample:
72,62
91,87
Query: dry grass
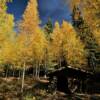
35,90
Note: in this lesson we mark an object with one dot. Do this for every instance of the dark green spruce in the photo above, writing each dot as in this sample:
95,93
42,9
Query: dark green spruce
86,36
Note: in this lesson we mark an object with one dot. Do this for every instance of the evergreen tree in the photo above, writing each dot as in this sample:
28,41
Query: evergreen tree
48,27
85,35
91,12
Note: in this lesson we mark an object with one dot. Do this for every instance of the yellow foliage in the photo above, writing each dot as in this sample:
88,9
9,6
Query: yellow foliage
97,35
22,47
66,43
6,24
30,44
91,13
38,45
74,49
8,52
7,34
30,20
55,45
32,40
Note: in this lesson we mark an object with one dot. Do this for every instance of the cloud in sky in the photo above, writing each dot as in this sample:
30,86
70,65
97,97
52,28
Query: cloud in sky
55,9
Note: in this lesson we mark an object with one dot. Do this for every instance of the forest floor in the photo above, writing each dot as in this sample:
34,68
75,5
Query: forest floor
34,90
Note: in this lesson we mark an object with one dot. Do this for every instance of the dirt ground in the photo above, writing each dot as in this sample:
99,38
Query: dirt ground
33,90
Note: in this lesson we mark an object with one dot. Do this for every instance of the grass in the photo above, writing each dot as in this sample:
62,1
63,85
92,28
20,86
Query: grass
35,90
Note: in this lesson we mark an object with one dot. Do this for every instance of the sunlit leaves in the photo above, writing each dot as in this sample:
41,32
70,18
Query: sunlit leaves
31,45
32,41
74,48
91,13
8,53
66,43
30,20
6,33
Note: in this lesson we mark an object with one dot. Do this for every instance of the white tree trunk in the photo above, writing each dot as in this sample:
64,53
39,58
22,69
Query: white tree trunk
23,76
45,63
60,62
19,74
38,74
36,71
6,73
13,66
34,65
13,70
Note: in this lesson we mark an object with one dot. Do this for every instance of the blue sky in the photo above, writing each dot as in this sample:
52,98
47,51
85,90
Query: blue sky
57,10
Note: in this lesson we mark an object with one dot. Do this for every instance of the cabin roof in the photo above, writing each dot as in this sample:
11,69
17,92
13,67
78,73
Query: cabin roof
70,72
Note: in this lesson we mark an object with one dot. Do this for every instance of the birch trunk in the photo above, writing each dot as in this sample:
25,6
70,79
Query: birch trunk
23,76
6,73
34,65
38,71
19,74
